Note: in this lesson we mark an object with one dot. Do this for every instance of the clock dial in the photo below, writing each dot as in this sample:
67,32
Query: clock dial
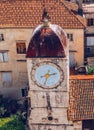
47,75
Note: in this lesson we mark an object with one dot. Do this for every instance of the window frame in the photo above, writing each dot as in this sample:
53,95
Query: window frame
90,21
70,37
4,57
1,37
89,47
6,80
21,47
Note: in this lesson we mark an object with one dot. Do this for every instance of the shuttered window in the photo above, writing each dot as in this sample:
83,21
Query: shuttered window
6,76
21,48
7,79
90,41
3,56
70,36
1,37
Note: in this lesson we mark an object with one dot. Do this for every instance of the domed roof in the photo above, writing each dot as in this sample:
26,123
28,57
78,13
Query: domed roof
48,40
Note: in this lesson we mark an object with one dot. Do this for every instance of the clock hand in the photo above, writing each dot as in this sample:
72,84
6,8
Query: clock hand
45,81
42,76
48,75
53,74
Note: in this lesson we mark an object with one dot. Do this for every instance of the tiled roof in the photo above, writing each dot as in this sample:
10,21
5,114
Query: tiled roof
74,8
81,104
71,5
28,13
82,20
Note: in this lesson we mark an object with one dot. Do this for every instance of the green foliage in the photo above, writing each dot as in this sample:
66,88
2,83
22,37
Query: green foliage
11,123
2,111
22,116
16,114
90,69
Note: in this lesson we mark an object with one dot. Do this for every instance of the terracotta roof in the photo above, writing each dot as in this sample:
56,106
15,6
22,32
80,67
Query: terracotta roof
71,5
81,104
28,13
82,20
74,8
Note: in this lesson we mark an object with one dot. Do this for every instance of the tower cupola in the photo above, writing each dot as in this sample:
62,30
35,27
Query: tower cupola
48,40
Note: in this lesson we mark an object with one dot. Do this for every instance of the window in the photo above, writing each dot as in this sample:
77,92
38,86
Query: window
3,56
90,41
90,22
70,36
1,37
72,59
88,124
21,48
89,49
6,78
87,1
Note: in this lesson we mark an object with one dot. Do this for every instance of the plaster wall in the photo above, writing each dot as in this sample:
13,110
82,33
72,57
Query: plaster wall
16,62
77,45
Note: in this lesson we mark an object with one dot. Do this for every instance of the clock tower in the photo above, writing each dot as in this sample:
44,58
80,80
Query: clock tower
48,71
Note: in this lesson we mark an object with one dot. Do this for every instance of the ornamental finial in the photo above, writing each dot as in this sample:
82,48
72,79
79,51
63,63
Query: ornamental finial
45,17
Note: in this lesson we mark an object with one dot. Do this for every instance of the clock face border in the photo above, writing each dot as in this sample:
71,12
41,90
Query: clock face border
33,71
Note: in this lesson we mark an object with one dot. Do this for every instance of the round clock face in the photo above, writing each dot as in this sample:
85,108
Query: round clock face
47,75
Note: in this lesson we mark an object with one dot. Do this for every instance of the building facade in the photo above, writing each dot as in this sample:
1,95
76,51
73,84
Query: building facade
88,10
17,21
87,7
13,68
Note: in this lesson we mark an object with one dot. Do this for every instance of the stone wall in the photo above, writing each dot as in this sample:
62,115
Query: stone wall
16,62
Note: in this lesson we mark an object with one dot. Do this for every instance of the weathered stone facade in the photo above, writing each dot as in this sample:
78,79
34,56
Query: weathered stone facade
17,20
59,99
77,45
16,63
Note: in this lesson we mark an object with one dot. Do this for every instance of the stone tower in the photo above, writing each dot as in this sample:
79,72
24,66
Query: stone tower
48,72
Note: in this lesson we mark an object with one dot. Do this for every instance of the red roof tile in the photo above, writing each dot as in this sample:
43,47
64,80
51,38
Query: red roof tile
81,104
28,13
